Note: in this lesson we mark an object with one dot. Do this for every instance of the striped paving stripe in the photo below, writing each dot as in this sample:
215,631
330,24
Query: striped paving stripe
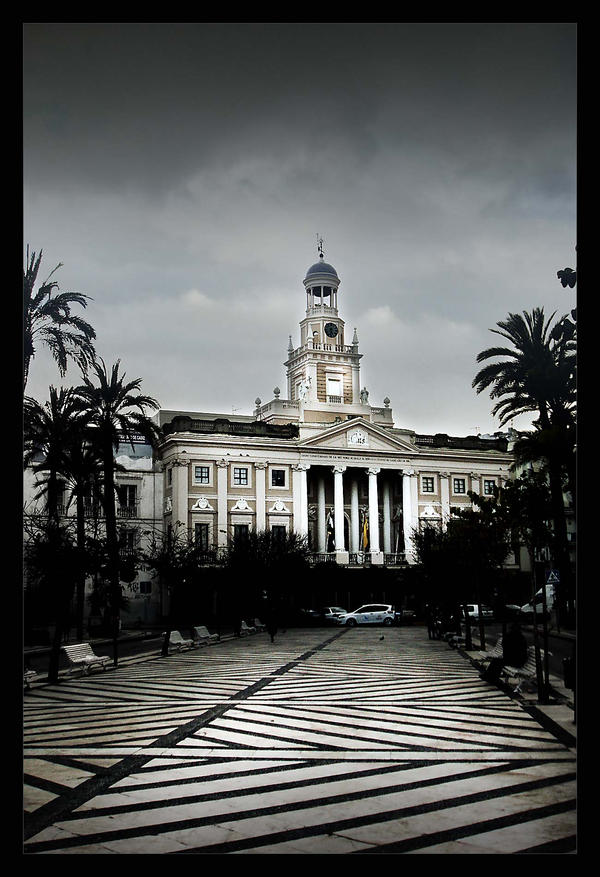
322,749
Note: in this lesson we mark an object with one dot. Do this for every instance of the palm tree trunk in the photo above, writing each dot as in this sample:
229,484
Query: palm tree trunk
81,545
112,545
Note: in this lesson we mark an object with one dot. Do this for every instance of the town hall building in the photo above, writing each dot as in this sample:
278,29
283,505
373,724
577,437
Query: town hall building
321,461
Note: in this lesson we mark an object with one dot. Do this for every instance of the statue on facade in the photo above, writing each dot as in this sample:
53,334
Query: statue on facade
304,388
364,396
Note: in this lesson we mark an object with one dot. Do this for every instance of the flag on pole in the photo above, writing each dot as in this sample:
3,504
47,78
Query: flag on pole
365,531
330,532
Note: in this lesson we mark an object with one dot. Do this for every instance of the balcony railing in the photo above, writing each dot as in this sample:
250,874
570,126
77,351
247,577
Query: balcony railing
394,559
336,399
360,558
127,511
323,557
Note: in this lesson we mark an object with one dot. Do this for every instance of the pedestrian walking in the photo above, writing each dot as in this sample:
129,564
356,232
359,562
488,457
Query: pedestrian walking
430,621
271,622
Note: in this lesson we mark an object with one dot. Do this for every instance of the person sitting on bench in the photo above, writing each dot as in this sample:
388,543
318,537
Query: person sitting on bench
514,654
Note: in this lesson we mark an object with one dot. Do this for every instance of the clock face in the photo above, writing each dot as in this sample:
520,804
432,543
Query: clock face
331,330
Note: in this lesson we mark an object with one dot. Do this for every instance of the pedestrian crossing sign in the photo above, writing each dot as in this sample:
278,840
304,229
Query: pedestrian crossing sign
553,577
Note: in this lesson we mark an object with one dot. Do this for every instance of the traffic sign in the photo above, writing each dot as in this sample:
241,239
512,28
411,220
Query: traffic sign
553,577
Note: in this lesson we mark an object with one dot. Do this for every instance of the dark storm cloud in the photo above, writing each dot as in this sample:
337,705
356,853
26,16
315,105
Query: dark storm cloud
146,104
181,173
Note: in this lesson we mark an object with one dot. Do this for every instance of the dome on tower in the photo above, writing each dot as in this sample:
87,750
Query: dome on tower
321,268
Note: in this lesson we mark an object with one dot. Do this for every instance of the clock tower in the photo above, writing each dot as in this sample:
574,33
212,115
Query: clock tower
323,373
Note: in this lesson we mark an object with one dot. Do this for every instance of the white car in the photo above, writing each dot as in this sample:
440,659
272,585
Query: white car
371,613
332,613
486,613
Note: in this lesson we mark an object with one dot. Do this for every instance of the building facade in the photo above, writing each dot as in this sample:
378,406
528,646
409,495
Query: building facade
322,462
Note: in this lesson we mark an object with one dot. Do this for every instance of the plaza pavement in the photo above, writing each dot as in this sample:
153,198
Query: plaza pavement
328,741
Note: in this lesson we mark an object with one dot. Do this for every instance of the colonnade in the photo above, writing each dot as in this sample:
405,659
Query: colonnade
379,495
378,488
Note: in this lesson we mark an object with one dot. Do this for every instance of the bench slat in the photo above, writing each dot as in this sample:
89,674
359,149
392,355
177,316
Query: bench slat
82,656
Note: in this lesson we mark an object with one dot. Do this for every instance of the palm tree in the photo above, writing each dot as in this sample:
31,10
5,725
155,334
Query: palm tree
537,375
117,413
48,319
51,556
49,430
82,473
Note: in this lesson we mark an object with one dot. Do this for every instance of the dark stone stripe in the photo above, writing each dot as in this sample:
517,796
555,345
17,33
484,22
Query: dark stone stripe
561,845
329,828
455,834
60,808
269,788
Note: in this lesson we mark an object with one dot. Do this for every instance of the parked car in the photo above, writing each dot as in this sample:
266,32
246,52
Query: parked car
370,613
307,617
487,614
512,611
527,612
329,614
405,616
527,609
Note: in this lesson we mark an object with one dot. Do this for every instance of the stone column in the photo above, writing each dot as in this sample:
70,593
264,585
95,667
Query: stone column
180,492
407,513
321,516
387,518
354,517
445,497
222,530
341,553
376,554
355,384
304,497
300,497
475,485
261,515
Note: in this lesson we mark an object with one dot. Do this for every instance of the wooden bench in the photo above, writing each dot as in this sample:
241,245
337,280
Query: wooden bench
495,652
245,629
82,657
29,676
526,673
202,637
177,641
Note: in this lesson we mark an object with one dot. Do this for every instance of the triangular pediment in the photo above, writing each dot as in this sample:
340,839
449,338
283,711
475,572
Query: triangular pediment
358,435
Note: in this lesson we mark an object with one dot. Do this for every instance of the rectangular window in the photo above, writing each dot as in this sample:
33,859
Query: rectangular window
201,536
240,476
169,477
201,475
240,531
127,494
459,485
127,540
278,478
278,531
145,587
427,484
488,488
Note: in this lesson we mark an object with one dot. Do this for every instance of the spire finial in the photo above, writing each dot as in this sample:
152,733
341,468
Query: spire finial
320,246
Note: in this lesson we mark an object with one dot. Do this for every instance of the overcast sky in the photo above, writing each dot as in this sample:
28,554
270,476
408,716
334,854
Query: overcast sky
182,172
